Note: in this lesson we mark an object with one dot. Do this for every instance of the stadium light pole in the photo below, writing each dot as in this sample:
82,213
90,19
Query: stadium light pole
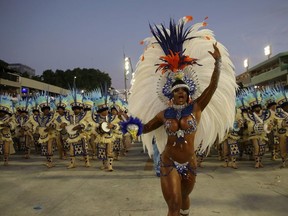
74,81
127,67
246,64
267,51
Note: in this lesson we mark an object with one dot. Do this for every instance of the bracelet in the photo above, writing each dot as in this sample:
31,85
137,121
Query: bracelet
218,63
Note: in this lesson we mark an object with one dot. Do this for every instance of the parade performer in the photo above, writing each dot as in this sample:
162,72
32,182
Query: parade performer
61,133
43,124
75,125
190,88
244,144
105,139
258,124
115,112
281,96
230,143
90,134
7,124
23,132
269,95
35,133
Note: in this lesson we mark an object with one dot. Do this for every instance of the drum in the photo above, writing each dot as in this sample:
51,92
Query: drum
104,128
70,130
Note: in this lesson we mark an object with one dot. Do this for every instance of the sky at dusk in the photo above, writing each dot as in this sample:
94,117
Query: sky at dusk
66,34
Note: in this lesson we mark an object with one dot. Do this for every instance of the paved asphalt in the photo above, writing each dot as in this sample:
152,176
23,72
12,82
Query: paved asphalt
28,188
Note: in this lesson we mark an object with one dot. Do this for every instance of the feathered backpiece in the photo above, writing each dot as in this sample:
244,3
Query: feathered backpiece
175,53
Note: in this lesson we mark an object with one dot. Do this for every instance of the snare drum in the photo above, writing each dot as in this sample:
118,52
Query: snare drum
104,128
70,130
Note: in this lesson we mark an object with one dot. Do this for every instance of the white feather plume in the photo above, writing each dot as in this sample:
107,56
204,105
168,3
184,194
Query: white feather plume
218,115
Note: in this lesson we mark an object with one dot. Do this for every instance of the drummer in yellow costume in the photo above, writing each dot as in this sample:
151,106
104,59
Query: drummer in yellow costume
61,134
230,143
258,124
75,125
88,105
7,124
43,124
115,110
105,128
22,132
281,132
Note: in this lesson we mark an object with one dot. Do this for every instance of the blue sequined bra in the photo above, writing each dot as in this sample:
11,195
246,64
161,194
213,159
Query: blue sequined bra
178,121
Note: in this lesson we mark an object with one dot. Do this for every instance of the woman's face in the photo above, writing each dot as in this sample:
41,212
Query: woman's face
180,96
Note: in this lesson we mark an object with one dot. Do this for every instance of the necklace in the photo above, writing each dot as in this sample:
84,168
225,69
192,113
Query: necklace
179,107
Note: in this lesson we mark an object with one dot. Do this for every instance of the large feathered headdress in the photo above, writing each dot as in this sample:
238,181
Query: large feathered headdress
182,55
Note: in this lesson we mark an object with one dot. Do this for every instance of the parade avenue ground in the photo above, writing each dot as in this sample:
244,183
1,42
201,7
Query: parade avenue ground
28,188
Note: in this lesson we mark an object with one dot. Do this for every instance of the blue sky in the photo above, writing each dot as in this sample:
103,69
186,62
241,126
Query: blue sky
65,34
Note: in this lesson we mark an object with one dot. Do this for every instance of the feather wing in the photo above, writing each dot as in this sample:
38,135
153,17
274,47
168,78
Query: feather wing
219,114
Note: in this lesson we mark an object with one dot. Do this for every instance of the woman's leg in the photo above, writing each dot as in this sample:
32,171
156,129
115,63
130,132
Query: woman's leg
171,189
187,186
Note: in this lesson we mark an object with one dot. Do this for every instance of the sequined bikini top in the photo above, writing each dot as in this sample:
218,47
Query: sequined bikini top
180,121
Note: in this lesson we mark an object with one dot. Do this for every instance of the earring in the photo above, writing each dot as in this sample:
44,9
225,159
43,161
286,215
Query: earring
189,99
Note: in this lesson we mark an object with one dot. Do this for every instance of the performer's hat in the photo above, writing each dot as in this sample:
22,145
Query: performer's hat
61,101
43,101
6,104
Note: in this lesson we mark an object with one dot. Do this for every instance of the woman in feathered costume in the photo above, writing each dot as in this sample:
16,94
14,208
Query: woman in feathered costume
185,88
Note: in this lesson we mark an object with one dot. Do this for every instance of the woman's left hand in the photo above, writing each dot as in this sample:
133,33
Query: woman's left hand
216,54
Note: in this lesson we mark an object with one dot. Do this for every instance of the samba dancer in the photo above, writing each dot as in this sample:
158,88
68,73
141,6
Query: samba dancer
182,103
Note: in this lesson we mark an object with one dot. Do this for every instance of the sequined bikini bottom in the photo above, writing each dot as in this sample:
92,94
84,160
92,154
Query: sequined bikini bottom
183,169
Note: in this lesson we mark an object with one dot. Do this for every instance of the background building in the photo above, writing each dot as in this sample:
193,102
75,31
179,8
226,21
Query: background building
22,69
272,71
